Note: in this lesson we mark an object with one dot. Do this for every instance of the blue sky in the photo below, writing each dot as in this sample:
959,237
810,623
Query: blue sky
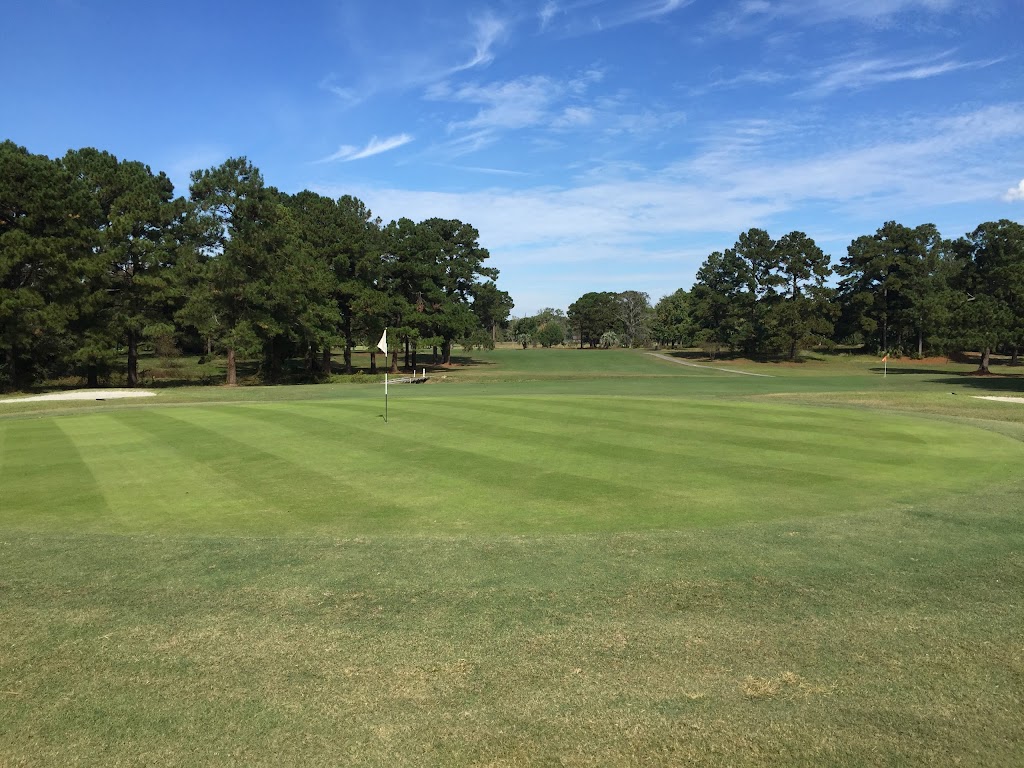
596,145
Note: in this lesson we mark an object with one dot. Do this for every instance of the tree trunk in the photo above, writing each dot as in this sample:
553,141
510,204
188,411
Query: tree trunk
1015,356
209,346
348,342
373,359
885,320
91,377
133,360
407,352
394,361
232,379
986,358
446,352
433,356
325,360
920,343
414,350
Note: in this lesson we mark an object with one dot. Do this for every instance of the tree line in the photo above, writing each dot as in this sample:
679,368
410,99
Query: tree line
899,291
98,257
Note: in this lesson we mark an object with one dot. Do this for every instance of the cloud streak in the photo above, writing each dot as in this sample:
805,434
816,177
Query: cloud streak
347,153
858,73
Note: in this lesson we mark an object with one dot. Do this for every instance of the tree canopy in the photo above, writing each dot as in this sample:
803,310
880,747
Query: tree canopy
98,256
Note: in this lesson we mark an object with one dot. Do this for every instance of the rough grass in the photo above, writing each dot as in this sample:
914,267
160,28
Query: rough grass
657,568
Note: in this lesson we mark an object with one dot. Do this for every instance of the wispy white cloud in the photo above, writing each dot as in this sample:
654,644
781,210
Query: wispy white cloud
490,171
753,173
548,106
508,105
591,16
549,10
859,72
487,31
816,11
1013,194
750,17
375,146
347,95
752,77
425,58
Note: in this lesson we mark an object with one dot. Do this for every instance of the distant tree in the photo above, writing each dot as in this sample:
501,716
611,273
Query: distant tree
524,329
759,255
720,302
634,317
456,266
804,311
671,324
134,219
991,311
491,306
234,213
550,334
592,315
46,245
894,286
930,293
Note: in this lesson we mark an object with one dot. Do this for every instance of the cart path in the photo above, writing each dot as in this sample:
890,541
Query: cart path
709,367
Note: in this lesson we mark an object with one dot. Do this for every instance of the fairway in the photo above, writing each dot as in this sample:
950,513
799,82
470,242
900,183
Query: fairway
545,558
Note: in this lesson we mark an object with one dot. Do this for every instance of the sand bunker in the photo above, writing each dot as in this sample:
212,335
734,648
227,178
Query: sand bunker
82,394
1003,399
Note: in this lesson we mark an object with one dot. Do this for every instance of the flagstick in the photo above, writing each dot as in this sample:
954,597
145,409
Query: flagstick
382,345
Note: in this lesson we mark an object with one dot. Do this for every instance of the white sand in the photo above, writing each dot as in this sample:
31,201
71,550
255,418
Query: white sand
1003,399
83,394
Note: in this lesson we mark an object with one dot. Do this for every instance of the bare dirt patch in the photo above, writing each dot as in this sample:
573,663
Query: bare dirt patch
1001,399
82,394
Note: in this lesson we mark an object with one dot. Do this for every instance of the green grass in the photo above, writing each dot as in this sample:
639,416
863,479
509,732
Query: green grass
549,557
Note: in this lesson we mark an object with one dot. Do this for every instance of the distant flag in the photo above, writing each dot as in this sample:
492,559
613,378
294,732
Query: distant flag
885,364
382,345
884,359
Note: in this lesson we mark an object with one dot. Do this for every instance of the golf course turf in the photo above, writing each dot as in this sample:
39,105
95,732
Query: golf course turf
546,557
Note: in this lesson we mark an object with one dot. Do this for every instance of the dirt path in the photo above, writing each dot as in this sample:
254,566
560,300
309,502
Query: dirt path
83,394
709,367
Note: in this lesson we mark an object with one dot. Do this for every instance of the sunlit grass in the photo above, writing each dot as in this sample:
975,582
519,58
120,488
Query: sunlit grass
646,565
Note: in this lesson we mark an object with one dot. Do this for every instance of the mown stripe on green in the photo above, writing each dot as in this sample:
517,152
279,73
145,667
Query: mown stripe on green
687,439
44,478
616,485
820,421
458,472
598,452
293,494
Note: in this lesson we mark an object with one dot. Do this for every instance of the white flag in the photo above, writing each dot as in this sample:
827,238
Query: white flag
382,345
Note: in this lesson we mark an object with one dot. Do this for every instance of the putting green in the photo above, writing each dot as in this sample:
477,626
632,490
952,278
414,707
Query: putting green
451,463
